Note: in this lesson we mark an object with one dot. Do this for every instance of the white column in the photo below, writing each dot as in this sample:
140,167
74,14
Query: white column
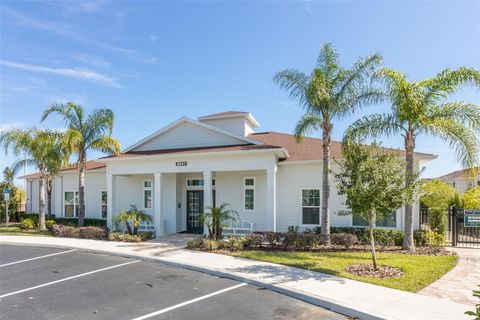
110,190
207,194
157,204
272,198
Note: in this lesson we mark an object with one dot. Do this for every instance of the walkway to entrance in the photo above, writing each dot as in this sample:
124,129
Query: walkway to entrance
458,284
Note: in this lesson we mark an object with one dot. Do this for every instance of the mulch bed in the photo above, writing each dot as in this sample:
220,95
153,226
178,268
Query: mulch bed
382,272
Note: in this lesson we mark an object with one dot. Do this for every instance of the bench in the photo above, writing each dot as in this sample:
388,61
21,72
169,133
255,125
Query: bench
238,228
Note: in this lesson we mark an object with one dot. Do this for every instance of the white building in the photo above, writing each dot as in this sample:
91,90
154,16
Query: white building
462,180
174,173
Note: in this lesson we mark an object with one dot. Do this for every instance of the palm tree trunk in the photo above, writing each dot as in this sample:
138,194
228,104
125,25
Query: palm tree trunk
81,189
41,213
325,227
49,194
408,242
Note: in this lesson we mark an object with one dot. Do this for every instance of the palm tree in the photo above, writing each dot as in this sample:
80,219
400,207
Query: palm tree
54,164
135,216
84,133
215,217
329,92
39,147
421,107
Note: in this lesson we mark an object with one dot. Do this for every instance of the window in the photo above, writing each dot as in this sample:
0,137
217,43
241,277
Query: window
71,204
249,194
104,204
311,206
198,182
147,194
453,184
389,220
470,184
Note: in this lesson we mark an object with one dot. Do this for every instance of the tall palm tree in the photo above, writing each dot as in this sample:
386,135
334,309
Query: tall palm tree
421,107
54,163
84,133
39,147
329,92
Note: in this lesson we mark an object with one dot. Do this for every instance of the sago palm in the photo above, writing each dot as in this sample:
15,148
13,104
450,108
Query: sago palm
421,107
38,147
329,92
84,133
215,218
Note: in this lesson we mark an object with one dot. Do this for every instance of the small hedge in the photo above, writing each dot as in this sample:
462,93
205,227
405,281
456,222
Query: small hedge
63,231
73,222
383,237
125,237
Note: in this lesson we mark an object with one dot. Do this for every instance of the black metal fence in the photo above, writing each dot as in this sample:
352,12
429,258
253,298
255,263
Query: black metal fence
463,226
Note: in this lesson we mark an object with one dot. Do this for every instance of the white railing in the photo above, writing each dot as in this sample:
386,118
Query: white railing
239,228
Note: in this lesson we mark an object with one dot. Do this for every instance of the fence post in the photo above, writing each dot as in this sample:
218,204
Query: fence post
454,226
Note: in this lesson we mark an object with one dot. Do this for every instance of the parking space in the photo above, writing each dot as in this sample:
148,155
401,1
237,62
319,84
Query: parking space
82,285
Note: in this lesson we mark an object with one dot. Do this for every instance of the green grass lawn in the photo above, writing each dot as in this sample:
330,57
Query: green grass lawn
14,230
419,270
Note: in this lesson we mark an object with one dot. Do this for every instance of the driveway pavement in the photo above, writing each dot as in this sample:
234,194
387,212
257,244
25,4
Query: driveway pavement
51,283
348,297
459,283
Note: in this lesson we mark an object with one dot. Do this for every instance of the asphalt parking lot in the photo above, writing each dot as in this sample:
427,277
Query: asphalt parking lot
51,283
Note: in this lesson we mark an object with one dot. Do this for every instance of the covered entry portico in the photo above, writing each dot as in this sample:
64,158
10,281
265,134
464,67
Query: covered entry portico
175,189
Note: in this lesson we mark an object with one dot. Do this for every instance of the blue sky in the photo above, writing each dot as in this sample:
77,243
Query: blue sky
153,62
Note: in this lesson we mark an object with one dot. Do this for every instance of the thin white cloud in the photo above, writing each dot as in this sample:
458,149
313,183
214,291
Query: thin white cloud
77,73
90,59
70,32
11,125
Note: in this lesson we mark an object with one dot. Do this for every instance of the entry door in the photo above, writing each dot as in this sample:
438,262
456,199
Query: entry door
194,209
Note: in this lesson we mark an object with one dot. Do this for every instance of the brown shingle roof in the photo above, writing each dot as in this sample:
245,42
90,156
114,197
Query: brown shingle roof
461,174
308,149
242,147
91,165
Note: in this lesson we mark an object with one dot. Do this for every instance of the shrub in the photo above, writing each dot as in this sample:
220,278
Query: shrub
344,239
211,245
59,230
437,220
236,243
428,238
146,235
92,233
383,237
292,229
195,243
27,223
125,237
49,224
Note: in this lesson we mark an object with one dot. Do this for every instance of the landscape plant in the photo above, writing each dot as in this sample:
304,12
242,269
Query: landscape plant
475,314
17,195
92,132
373,183
437,195
422,107
132,217
215,218
471,199
329,92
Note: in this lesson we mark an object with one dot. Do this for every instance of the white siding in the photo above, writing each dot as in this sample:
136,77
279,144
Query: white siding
239,126
229,189
168,201
187,135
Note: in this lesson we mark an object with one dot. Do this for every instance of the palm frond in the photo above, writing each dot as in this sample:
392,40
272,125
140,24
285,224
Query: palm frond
363,97
448,81
71,113
306,125
105,144
373,125
463,112
460,138
328,60
295,82
24,163
98,122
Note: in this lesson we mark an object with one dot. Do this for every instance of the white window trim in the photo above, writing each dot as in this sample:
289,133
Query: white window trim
245,187
101,204
151,194
198,187
75,213
307,225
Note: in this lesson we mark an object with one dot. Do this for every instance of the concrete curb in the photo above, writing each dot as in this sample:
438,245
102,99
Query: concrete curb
328,304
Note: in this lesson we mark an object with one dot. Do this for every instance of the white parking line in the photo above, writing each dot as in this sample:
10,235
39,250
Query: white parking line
40,257
69,278
189,302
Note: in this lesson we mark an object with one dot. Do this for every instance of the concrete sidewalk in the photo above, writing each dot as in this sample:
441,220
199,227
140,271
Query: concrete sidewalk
341,295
